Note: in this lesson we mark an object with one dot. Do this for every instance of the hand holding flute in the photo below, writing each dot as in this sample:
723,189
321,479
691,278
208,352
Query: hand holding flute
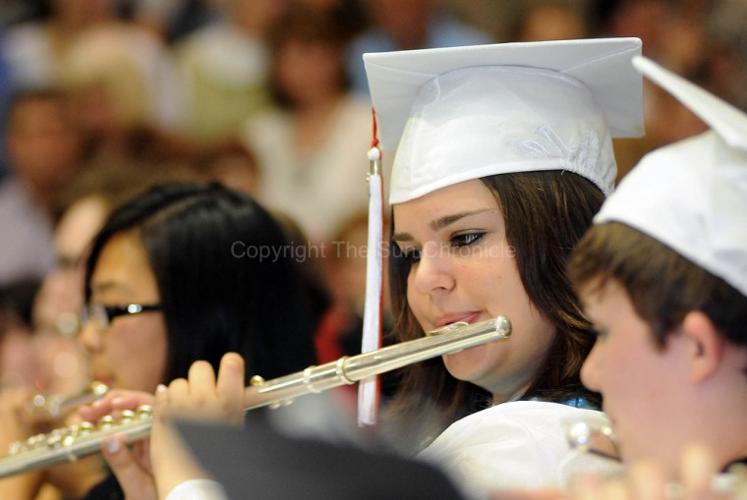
19,418
152,469
12,427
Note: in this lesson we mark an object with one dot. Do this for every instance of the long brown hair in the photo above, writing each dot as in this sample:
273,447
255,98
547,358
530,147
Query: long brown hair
545,213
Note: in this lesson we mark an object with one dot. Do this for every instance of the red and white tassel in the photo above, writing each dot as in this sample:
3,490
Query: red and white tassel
368,389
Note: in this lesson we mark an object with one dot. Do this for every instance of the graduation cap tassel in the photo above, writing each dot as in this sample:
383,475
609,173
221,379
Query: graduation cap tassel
368,389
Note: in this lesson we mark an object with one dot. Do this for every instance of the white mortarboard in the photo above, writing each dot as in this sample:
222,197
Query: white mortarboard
462,113
692,195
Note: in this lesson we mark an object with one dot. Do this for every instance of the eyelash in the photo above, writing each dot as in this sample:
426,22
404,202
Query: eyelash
466,239
457,241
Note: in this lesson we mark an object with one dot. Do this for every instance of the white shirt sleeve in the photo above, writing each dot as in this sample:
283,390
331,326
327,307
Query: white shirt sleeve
518,445
198,489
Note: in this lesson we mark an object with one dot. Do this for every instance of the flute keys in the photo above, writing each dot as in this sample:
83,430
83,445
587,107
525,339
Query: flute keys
144,411
98,389
106,422
86,428
280,404
127,417
36,440
38,401
16,447
54,441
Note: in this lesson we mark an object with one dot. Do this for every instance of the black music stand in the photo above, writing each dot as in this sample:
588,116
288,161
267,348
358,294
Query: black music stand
260,464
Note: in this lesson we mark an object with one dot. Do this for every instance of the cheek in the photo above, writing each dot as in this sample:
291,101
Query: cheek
139,355
494,277
415,300
611,359
634,385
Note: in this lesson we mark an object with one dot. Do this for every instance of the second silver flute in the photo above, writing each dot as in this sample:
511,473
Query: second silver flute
73,442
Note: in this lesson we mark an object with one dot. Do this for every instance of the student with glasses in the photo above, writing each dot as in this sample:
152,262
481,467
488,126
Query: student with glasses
164,289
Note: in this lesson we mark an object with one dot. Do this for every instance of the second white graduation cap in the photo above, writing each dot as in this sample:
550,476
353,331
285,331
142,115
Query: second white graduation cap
692,195
461,113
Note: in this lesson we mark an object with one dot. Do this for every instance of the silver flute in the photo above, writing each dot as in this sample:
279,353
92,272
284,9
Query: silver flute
76,441
47,407
599,439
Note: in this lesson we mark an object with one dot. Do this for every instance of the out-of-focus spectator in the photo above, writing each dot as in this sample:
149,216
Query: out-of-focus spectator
224,68
111,117
345,265
639,18
696,38
548,20
17,11
311,146
142,144
727,58
170,20
129,67
232,164
43,154
35,48
6,90
348,15
84,38
18,363
405,24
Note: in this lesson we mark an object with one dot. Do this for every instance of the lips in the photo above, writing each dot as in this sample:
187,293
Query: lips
464,316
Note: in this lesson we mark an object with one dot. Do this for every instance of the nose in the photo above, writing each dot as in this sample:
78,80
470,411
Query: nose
433,273
90,337
590,371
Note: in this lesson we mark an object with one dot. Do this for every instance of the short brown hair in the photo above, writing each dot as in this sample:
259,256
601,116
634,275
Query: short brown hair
546,213
310,27
662,284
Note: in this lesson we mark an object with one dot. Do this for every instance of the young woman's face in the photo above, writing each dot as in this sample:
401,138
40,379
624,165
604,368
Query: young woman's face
463,269
309,72
131,352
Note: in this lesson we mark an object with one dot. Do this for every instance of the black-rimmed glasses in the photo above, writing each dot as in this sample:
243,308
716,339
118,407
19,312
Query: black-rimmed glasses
102,315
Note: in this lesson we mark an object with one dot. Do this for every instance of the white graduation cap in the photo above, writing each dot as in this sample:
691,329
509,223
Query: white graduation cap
692,195
462,113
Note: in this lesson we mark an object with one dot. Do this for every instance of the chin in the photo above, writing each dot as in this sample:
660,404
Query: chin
467,365
638,448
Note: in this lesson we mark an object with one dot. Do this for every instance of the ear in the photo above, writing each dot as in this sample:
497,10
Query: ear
705,345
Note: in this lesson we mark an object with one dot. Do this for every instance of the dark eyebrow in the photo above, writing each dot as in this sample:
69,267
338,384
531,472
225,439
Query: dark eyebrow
441,223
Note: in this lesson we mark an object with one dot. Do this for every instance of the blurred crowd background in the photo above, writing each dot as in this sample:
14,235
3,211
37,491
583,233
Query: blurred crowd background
103,98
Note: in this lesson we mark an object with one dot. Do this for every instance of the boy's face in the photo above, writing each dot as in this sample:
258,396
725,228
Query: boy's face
640,382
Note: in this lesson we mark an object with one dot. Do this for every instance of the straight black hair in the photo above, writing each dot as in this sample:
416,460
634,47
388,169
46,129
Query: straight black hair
226,276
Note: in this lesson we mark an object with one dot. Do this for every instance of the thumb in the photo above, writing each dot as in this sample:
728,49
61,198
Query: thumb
698,468
135,481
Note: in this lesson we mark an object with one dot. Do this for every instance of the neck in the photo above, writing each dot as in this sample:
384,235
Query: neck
321,106
499,398
717,417
312,124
